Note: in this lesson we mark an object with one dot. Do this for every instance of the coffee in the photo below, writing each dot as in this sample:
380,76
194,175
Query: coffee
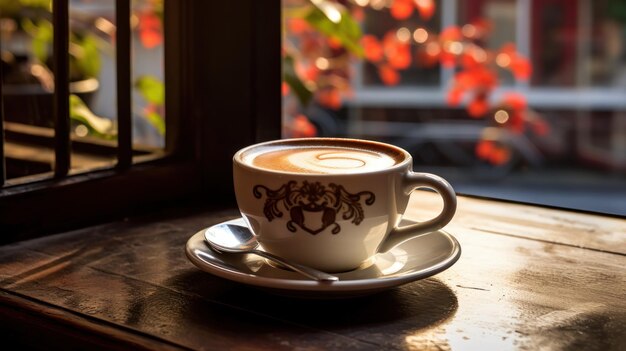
323,159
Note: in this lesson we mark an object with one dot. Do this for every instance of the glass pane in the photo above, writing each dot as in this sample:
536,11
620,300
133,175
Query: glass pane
519,100
148,94
27,86
605,53
28,83
148,74
555,42
92,83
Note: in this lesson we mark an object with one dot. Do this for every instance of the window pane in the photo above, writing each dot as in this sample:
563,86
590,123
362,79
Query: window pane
28,83
27,86
556,38
148,74
605,39
146,65
515,99
92,83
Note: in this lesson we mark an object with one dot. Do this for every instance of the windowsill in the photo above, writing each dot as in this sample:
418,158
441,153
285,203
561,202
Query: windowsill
30,153
528,277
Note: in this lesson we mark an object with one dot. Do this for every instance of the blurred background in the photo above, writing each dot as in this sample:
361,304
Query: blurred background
514,99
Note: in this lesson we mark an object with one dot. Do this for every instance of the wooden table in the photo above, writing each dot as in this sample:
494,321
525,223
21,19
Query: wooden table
529,278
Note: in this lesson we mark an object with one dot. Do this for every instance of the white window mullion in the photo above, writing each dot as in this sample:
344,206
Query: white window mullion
523,33
449,11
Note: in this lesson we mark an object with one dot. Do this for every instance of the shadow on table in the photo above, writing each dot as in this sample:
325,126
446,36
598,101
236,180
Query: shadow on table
414,306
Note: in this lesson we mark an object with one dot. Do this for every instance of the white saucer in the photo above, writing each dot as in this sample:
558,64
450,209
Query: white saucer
412,260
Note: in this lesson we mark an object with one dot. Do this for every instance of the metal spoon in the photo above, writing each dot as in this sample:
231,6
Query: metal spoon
227,237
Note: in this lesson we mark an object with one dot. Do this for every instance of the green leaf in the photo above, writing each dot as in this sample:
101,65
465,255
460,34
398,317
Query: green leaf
45,4
346,30
157,121
10,8
42,37
151,89
98,126
303,94
89,61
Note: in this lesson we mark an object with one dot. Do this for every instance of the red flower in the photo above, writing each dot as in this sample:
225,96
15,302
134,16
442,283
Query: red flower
426,8
499,156
478,107
150,31
493,153
509,49
402,9
447,59
455,95
307,72
478,77
473,56
335,43
515,101
468,60
398,53
448,39
484,148
452,33
388,75
402,57
301,127
285,88
521,68
330,98
372,47
485,77
516,122
519,65
150,39
298,25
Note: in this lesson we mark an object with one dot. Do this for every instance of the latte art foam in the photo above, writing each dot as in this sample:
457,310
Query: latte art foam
322,160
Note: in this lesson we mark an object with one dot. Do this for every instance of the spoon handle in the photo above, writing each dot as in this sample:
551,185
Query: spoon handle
307,271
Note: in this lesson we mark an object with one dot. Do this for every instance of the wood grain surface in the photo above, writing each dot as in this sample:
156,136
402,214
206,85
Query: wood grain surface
529,278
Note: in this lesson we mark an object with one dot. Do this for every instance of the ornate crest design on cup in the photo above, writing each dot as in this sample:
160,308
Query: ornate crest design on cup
300,199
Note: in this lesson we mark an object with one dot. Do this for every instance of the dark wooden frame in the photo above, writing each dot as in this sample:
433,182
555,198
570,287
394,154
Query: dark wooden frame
222,78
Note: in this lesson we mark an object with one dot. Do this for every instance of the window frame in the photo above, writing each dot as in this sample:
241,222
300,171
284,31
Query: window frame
243,77
223,96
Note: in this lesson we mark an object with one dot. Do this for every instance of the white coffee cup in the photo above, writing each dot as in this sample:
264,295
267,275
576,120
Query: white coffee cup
331,203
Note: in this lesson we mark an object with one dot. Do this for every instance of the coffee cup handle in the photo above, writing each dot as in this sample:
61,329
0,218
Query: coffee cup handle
411,182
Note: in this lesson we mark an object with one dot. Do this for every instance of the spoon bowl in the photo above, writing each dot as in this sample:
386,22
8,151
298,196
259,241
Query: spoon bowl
232,238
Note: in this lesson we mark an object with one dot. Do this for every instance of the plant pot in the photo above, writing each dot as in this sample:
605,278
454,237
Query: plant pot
33,105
